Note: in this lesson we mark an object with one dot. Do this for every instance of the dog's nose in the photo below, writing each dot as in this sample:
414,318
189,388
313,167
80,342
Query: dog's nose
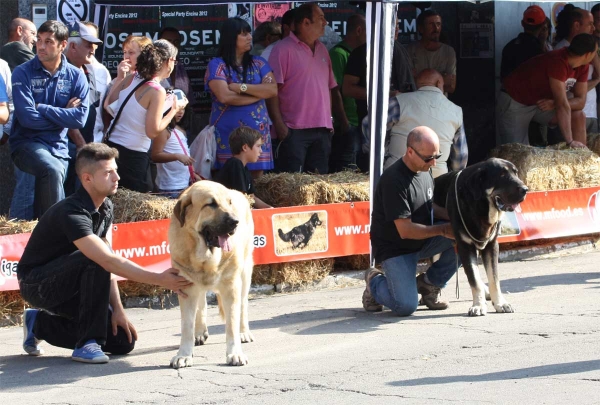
523,190
231,221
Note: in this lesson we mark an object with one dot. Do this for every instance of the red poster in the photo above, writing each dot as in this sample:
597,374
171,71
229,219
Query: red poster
337,230
264,12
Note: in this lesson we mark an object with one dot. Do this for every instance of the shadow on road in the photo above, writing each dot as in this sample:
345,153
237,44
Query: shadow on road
522,284
23,372
517,374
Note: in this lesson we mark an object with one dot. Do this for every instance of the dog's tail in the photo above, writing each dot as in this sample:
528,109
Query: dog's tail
284,237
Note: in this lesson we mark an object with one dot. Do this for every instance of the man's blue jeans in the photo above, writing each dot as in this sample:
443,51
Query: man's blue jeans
49,171
21,205
397,290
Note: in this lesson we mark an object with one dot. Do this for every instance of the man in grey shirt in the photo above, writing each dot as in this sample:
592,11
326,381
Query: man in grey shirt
21,37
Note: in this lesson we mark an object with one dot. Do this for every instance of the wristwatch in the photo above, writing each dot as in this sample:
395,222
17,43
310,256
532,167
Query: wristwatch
243,87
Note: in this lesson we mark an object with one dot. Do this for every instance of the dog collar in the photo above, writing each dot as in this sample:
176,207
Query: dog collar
494,228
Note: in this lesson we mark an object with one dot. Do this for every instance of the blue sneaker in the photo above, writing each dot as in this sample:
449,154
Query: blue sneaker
30,343
90,352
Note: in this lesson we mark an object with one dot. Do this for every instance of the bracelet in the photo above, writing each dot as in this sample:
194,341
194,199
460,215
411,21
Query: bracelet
569,143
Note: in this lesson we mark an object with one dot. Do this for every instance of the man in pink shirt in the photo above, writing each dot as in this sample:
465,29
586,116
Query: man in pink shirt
301,112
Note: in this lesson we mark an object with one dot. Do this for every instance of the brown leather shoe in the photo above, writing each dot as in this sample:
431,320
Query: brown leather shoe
369,303
430,294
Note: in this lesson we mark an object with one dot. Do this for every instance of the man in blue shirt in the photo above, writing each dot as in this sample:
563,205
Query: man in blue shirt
50,96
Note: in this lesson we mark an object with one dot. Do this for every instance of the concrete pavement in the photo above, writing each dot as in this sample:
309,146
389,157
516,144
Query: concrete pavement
321,347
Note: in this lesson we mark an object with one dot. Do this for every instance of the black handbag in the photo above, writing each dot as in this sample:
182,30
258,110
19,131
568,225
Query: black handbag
114,121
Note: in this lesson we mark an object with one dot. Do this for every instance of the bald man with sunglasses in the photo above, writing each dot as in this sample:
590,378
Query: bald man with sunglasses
407,226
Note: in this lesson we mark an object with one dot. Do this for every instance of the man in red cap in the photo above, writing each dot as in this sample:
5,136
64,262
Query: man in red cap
526,45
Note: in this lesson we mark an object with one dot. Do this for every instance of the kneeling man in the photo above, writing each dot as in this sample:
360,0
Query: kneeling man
537,91
403,231
67,264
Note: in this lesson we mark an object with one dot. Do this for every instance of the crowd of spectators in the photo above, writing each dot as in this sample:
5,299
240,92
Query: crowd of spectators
308,101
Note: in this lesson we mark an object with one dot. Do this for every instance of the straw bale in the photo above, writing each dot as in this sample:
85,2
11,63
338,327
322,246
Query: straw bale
552,168
13,226
131,206
133,289
593,142
291,189
11,304
293,273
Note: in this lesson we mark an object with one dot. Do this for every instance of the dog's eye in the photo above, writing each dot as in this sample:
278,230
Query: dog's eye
212,204
230,202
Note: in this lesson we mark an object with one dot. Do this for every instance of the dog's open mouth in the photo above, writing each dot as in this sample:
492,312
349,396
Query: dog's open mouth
503,206
215,240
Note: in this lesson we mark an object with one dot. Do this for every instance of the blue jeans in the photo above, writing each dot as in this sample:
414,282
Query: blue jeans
49,171
21,205
72,182
397,290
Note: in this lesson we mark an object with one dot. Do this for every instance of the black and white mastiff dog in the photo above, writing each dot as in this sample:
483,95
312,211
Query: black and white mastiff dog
476,198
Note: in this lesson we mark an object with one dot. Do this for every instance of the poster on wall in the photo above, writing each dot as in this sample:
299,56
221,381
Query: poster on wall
241,10
407,23
336,14
199,29
476,41
264,12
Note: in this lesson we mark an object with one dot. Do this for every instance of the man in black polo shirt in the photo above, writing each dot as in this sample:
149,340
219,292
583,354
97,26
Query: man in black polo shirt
66,269
403,231
527,44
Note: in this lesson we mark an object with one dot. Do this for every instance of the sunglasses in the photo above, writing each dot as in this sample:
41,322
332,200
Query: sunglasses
426,159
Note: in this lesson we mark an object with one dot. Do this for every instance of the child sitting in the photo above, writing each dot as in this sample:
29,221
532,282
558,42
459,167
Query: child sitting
246,146
170,152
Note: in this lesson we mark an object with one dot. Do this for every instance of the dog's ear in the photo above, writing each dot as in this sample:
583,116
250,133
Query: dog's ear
181,207
476,184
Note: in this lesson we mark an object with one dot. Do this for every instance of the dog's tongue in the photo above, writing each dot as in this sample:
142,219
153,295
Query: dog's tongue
224,243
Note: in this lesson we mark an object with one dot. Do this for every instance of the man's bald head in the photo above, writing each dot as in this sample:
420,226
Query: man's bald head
422,137
430,77
22,30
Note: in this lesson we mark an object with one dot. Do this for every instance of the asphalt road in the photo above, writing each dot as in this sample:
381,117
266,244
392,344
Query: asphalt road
321,347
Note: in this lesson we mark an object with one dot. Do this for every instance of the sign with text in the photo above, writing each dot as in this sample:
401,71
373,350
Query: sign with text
331,230
199,29
70,11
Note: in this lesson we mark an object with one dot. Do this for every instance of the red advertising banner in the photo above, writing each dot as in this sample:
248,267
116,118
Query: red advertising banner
332,230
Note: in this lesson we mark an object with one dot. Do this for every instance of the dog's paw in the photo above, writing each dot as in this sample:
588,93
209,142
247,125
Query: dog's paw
182,361
478,310
201,339
246,337
504,307
237,359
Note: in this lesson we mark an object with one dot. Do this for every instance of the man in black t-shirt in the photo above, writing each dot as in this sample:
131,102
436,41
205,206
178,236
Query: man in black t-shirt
67,264
403,231
527,44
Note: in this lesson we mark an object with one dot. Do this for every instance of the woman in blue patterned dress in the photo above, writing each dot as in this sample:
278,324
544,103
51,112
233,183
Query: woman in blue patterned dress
239,83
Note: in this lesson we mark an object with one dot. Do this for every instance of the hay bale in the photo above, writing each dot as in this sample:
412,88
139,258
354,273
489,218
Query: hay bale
552,168
131,206
293,273
11,304
593,142
133,289
13,226
290,189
